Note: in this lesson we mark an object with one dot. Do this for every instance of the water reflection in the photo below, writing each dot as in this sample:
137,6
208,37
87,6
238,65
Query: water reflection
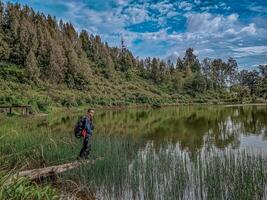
192,127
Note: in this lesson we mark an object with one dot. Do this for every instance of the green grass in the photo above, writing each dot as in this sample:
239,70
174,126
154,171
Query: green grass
23,189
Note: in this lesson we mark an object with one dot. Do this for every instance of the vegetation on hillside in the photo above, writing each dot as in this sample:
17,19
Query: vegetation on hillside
46,62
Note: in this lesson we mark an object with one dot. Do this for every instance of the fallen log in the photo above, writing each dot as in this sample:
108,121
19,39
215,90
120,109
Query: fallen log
34,174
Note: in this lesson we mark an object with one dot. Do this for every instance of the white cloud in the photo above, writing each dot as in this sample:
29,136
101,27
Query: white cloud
163,7
251,29
218,26
249,51
122,2
204,22
185,6
233,17
172,14
207,50
137,14
173,57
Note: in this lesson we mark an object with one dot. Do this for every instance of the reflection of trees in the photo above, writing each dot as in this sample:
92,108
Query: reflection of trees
226,133
192,127
253,119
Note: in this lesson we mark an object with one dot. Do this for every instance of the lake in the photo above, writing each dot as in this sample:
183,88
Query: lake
186,152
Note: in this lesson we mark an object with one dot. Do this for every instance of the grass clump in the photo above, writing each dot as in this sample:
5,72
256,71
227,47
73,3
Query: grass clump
22,189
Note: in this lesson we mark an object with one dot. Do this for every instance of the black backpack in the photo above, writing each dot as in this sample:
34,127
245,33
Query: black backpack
79,127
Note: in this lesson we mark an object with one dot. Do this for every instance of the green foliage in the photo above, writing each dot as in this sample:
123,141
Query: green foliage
11,72
22,189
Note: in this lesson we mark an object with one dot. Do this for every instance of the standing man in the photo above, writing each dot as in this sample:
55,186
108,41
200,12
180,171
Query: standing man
87,134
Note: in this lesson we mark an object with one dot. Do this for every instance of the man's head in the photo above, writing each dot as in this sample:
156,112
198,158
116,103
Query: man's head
90,113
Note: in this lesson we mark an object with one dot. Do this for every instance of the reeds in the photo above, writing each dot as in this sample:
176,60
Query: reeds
169,173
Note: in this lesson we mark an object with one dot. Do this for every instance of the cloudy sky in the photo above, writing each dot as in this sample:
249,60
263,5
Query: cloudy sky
220,28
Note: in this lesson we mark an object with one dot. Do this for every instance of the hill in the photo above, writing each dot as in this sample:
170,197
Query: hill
45,62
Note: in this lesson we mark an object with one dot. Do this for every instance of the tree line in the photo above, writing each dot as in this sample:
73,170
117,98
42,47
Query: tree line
53,51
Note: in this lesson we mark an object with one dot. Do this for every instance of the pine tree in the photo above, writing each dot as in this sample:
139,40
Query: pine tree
155,70
26,36
190,61
263,73
231,71
4,47
85,41
56,67
179,64
11,26
31,67
206,70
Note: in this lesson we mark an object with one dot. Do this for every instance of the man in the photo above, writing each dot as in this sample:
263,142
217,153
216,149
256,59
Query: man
87,134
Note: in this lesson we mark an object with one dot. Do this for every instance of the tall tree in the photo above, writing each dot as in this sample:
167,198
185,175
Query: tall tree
231,71
206,70
218,73
4,47
31,67
11,27
56,67
180,65
263,74
190,61
250,79
154,74
26,34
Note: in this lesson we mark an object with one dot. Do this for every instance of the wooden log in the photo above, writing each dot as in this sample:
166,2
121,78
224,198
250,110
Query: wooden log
34,174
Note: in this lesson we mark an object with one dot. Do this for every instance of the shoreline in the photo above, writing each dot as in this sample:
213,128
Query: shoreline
138,106
56,110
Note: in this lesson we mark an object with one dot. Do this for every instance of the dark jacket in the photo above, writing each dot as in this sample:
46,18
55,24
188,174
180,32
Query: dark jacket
88,125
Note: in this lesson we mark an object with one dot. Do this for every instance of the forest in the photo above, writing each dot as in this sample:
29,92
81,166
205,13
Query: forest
45,61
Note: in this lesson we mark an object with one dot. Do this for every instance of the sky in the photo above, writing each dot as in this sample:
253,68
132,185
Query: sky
166,28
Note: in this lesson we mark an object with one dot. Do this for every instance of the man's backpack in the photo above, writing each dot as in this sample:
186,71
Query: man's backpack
79,127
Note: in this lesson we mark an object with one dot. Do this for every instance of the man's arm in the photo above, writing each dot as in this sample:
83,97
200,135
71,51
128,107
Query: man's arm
88,127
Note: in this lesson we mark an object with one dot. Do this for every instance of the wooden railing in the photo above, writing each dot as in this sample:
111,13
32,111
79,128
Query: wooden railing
26,109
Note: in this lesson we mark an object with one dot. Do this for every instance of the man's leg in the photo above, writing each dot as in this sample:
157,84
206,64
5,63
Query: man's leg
86,147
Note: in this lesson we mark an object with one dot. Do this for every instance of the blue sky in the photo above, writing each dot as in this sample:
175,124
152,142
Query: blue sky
165,28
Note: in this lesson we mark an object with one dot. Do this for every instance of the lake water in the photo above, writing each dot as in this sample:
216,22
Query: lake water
185,152
192,127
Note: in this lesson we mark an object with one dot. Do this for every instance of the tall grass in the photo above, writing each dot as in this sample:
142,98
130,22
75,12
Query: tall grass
22,189
169,173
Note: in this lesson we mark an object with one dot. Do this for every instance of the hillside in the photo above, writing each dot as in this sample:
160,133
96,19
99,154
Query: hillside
45,62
